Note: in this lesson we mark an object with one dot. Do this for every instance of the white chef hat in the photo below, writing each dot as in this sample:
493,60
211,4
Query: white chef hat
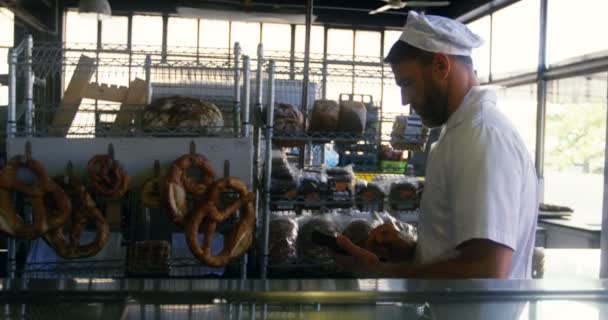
439,34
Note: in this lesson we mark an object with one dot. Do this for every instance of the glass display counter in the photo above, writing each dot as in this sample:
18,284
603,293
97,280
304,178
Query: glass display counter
303,299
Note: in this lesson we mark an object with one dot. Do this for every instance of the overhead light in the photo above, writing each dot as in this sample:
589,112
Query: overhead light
97,8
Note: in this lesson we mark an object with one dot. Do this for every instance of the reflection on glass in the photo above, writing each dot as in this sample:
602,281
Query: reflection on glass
7,22
247,34
575,143
276,37
515,34
214,33
182,33
481,55
571,34
147,31
519,105
115,30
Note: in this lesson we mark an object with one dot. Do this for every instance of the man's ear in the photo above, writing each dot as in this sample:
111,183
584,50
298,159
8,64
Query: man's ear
441,66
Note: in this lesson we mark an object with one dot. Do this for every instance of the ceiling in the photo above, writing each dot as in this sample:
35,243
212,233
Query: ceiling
349,13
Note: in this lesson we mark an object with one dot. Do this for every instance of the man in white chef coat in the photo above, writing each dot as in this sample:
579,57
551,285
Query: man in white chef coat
480,204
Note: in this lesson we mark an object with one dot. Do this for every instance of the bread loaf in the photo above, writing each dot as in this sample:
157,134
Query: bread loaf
324,116
182,114
288,121
352,116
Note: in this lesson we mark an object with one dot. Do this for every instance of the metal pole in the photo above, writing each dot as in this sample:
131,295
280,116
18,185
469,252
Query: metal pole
247,96
268,165
309,7
259,77
148,70
11,125
29,87
258,124
604,232
541,99
237,88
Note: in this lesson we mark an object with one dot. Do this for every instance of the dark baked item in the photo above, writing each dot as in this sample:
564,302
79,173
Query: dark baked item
309,251
357,231
324,116
352,116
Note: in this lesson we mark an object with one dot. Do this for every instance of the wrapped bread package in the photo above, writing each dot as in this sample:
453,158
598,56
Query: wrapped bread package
288,121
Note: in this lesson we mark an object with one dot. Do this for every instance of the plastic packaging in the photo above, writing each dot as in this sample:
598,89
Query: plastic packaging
307,250
370,197
312,186
282,238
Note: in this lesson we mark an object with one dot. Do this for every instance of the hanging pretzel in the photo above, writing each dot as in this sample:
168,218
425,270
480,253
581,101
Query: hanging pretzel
10,222
178,184
238,240
107,176
151,193
85,210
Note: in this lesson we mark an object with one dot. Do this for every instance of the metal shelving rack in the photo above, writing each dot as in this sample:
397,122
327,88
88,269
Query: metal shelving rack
38,77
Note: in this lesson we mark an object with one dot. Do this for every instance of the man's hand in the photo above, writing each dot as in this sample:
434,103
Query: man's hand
361,262
386,242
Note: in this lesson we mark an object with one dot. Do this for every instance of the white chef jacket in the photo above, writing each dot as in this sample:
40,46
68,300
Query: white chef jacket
480,184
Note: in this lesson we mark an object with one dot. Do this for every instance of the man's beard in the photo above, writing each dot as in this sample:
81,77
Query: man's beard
434,112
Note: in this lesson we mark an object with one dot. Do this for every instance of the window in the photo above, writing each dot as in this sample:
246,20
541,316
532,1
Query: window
481,55
367,44
340,44
182,35
147,31
519,104
390,37
515,38
6,41
575,144
573,32
80,31
247,34
276,37
214,34
115,31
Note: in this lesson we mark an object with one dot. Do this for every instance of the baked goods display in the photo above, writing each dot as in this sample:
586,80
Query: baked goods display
177,113
178,184
288,121
358,231
211,213
352,116
84,211
324,117
107,176
282,239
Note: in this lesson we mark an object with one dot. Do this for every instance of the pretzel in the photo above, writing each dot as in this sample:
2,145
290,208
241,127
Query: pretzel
178,184
84,211
107,176
238,239
10,222
151,193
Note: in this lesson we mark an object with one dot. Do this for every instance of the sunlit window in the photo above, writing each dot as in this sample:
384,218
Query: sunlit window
214,34
574,32
147,31
367,44
481,55
182,35
340,44
80,31
515,38
6,25
390,37
574,144
316,42
115,31
519,104
276,37
247,34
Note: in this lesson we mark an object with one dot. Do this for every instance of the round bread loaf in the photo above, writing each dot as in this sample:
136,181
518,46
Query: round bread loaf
282,240
352,116
182,114
288,121
324,116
